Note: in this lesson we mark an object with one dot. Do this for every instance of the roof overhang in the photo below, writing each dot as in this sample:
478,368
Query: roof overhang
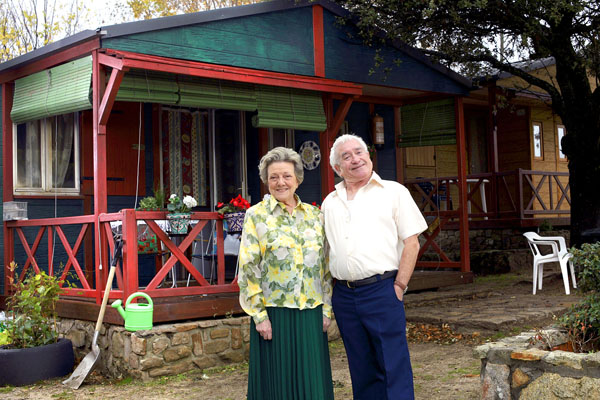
123,60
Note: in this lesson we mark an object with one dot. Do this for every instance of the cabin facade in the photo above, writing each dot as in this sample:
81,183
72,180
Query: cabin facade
188,104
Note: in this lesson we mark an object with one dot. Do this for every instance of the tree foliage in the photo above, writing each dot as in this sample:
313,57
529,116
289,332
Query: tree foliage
147,9
26,25
480,36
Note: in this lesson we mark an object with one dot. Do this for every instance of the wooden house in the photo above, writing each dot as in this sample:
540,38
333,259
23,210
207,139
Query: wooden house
189,103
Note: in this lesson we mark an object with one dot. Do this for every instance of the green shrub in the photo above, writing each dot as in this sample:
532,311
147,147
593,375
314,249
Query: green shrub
582,320
33,311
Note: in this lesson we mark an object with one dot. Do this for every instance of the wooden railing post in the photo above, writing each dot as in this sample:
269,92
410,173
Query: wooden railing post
130,256
520,192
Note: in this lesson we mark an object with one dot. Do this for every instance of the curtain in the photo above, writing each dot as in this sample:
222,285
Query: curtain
184,154
29,173
62,149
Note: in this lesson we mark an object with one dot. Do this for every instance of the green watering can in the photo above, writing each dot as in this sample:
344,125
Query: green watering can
137,316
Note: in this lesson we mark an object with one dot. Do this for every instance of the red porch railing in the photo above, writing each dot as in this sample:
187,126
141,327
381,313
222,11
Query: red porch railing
127,279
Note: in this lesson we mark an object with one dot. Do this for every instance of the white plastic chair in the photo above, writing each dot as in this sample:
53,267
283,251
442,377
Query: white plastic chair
559,254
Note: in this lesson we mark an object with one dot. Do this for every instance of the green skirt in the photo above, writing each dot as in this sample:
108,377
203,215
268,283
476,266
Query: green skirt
295,364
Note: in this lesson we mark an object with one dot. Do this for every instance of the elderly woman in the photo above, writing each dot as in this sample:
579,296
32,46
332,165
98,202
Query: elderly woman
285,286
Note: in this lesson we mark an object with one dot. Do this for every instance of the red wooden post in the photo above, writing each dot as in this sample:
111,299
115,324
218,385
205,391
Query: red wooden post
130,256
100,201
318,41
399,151
7,181
463,218
220,254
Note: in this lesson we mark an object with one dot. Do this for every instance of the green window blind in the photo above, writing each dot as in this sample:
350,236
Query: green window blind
280,107
150,87
213,93
59,90
428,124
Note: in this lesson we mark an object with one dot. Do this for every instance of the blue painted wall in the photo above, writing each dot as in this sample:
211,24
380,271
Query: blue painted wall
347,58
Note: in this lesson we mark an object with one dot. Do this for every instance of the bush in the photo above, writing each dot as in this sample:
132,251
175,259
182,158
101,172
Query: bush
33,309
582,320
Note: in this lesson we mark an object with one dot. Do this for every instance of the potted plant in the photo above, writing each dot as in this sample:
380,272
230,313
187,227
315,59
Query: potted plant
34,350
234,213
180,213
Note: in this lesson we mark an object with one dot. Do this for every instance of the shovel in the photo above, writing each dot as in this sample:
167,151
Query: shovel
88,362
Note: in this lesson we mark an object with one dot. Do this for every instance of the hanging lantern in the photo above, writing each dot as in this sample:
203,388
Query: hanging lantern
378,131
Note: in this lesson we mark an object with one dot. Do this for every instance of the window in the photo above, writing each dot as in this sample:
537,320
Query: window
281,138
46,155
560,133
537,140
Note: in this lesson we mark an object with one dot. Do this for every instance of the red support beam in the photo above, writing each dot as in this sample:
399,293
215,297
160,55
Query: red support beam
461,155
110,94
7,176
205,70
318,41
398,150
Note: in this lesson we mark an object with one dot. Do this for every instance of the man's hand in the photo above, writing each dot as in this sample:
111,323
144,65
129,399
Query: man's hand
399,292
264,330
326,323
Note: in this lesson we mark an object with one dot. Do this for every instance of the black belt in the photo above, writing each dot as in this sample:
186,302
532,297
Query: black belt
369,280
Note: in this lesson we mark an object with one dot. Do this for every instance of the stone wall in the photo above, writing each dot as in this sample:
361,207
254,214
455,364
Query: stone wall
166,349
492,250
519,368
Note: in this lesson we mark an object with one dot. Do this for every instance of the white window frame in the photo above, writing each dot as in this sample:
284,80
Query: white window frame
561,156
46,161
534,140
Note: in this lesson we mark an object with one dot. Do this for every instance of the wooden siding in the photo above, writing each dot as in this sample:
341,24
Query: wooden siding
347,58
550,161
278,41
122,140
513,138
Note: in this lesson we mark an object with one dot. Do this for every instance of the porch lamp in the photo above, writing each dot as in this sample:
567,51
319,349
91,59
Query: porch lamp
377,130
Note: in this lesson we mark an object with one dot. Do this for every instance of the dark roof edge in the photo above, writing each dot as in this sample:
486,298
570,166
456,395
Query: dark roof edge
219,14
45,51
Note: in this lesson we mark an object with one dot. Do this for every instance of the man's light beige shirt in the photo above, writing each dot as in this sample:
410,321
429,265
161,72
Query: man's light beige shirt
366,234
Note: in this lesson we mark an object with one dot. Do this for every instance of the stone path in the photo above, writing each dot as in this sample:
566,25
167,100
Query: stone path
497,305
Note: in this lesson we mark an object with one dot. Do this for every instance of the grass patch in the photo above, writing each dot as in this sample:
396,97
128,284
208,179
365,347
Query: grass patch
7,389
64,395
500,279
125,381
227,368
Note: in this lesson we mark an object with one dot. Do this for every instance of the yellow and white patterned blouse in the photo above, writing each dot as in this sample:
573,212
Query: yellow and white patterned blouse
282,259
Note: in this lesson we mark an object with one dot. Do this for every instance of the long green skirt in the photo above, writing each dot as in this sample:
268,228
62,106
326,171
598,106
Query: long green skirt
295,364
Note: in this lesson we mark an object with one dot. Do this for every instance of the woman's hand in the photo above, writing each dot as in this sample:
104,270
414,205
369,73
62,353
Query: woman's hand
326,323
264,330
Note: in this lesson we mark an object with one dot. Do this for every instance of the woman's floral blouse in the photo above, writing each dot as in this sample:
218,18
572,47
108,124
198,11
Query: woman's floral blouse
282,259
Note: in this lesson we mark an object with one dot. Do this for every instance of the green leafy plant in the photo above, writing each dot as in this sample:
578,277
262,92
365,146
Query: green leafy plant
149,203
582,320
545,226
33,310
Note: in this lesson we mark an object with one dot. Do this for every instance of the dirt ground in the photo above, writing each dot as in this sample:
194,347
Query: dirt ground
441,371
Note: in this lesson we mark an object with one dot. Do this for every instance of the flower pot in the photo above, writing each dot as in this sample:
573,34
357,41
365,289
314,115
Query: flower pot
179,222
235,221
25,366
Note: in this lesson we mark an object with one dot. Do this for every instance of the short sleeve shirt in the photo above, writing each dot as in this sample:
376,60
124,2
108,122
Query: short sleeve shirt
366,234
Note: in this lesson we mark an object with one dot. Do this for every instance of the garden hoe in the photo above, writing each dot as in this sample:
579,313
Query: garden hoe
88,362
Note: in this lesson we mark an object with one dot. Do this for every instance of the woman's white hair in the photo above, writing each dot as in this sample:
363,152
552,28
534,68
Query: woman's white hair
334,157
281,154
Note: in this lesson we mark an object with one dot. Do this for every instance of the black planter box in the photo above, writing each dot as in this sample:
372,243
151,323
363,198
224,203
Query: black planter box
25,366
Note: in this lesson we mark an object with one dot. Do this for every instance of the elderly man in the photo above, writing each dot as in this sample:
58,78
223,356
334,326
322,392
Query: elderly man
372,226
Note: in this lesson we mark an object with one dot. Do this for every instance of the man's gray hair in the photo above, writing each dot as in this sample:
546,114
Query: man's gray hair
334,157
281,154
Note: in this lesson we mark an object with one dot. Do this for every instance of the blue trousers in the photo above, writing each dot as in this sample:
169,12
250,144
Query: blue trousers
373,327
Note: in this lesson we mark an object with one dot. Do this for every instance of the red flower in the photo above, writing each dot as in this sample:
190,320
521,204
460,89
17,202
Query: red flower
219,205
